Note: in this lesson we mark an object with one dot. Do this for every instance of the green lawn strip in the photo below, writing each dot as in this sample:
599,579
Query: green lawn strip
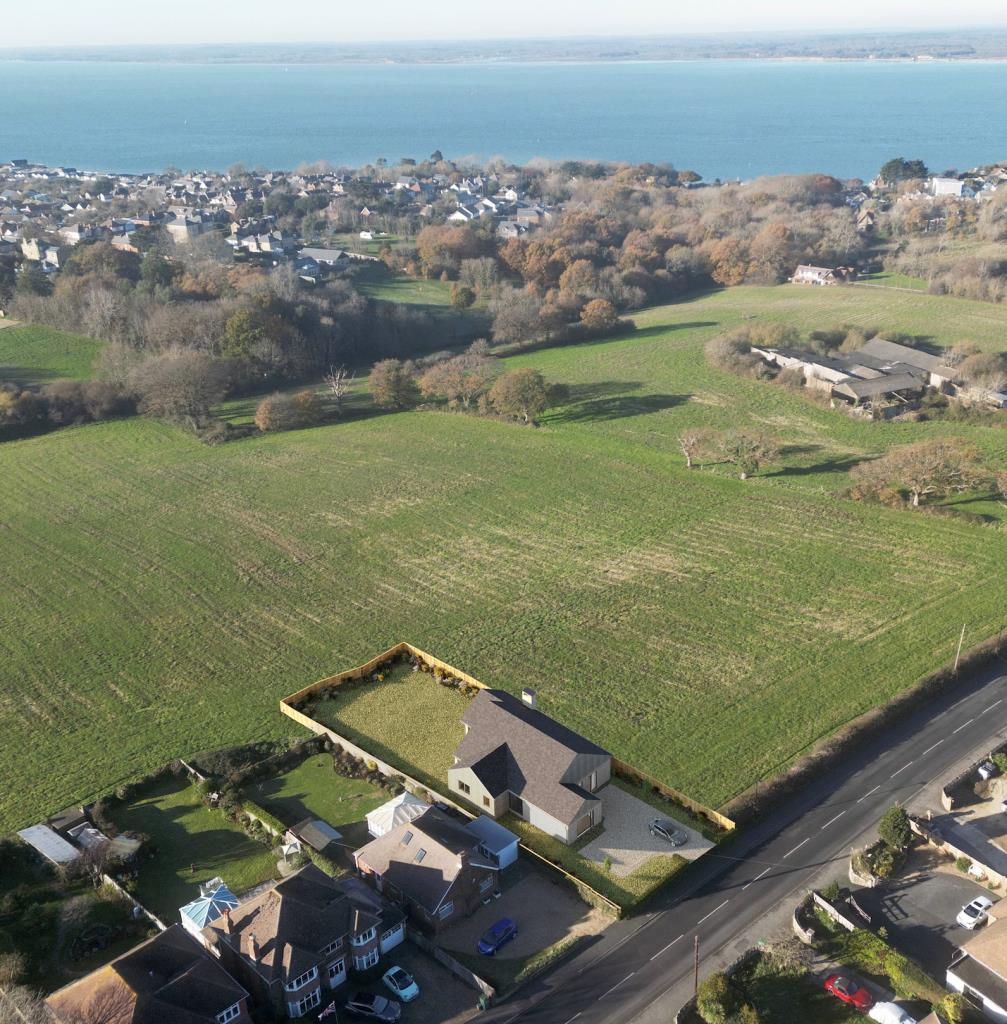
186,834
34,355
507,973
626,891
314,790
890,280
780,997
407,719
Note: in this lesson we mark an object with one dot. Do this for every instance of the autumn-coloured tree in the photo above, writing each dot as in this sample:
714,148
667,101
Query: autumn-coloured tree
522,394
599,315
926,470
516,316
180,386
461,380
392,384
289,412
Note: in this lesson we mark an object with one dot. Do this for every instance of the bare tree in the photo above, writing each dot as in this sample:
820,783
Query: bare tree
927,469
694,442
20,1005
339,381
179,386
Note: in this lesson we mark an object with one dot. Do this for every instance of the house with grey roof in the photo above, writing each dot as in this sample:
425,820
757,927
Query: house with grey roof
515,758
297,940
432,866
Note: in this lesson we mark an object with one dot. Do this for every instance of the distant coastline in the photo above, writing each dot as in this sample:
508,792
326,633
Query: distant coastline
974,44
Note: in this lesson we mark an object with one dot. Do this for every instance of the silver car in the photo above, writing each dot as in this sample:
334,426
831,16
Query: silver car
664,829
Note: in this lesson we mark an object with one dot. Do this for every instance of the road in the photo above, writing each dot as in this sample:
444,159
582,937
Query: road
646,964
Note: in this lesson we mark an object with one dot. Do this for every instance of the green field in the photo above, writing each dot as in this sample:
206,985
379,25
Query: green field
162,595
34,355
187,835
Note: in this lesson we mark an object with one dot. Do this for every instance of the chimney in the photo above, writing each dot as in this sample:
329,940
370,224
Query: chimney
253,949
228,923
463,859
530,698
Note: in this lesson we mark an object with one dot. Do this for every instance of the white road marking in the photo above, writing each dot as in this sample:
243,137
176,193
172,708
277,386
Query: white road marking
866,795
993,705
712,912
962,726
574,1017
902,769
836,818
659,952
757,877
934,747
617,984
796,848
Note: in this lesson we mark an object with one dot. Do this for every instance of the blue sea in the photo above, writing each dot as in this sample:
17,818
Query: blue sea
724,119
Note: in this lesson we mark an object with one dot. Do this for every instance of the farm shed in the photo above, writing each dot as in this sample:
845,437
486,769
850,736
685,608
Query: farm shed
50,844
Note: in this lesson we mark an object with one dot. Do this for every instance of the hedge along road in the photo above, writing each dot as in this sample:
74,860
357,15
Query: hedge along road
643,967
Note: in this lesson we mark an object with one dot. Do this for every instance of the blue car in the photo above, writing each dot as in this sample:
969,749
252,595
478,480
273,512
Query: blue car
499,935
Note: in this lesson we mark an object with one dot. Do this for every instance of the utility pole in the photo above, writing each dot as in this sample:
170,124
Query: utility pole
695,967
958,653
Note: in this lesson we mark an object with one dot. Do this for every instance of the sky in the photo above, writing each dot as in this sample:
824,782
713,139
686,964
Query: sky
71,22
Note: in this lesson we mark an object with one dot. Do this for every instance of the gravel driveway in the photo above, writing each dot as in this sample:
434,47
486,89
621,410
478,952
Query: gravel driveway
627,841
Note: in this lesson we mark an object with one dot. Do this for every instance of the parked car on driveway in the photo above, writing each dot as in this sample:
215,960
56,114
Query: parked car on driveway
974,914
662,828
891,1013
845,988
374,1007
402,984
496,936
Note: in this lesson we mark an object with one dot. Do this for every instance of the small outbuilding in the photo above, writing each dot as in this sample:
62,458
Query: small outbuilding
314,832
497,843
397,811
50,844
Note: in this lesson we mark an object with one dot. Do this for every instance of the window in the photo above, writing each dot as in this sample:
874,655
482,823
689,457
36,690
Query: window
407,838
446,910
362,962
517,805
363,938
486,801
309,1002
420,854
229,1014
332,946
486,884
464,787
301,980
337,972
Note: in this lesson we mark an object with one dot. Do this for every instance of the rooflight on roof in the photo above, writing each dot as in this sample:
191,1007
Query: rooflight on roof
420,854
407,838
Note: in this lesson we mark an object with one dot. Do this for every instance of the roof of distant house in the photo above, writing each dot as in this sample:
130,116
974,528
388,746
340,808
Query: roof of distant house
421,857
169,979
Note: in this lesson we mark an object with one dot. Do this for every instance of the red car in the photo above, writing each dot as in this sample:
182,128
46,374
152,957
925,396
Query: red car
849,991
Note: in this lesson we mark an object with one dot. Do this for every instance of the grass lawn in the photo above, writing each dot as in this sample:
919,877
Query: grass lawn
888,279
380,283
409,720
161,595
185,833
35,355
314,790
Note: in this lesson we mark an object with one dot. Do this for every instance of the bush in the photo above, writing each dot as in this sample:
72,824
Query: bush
963,864
289,412
831,891
716,999
894,827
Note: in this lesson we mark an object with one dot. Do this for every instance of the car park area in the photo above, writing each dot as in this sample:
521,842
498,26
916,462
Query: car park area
626,840
919,907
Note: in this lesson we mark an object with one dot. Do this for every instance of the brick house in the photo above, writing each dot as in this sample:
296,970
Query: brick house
169,979
515,758
431,866
297,940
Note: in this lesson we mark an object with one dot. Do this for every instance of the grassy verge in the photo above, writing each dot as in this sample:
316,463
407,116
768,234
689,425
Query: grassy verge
506,974
34,355
190,844
625,891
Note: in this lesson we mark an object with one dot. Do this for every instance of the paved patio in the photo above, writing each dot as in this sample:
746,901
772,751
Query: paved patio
627,841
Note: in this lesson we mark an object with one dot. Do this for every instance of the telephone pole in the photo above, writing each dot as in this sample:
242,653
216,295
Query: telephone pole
695,967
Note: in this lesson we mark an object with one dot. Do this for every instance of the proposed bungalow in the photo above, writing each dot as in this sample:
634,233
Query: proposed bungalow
515,758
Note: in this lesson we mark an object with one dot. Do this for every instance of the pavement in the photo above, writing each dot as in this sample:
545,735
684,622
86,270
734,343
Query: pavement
626,839
641,969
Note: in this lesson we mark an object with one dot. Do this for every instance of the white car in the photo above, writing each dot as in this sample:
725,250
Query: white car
974,914
890,1013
